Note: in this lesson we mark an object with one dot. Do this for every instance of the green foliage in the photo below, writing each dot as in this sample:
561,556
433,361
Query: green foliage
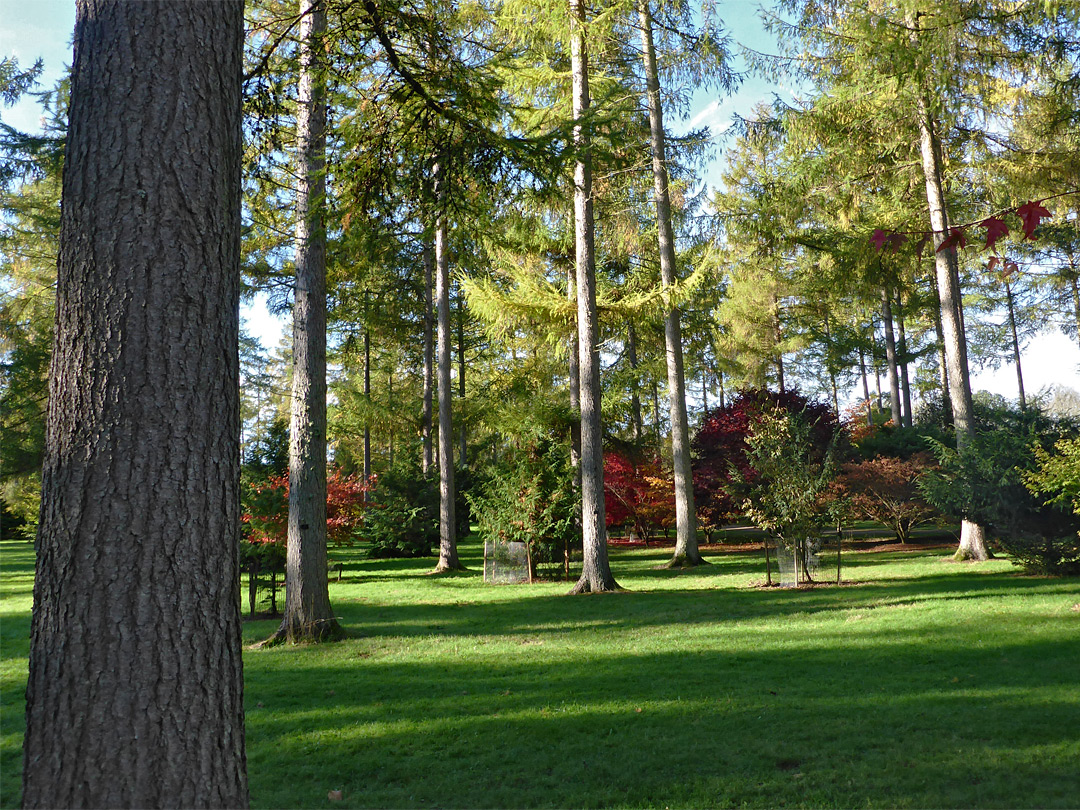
787,496
1057,474
530,498
984,481
396,529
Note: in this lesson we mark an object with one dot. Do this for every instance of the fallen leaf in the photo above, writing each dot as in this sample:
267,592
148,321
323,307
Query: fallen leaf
334,795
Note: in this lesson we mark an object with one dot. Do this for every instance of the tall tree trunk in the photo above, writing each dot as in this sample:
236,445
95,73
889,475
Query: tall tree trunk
686,542
890,357
595,570
635,399
902,359
778,331
704,390
865,388
575,386
135,689
831,369
720,380
308,615
463,447
367,402
973,536
943,373
1076,303
1015,342
427,460
656,414
390,407
448,556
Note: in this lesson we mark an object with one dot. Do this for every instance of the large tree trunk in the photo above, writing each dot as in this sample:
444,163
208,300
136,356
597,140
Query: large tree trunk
686,543
890,356
943,365
595,571
778,333
135,689
1015,343
947,271
448,556
427,459
308,615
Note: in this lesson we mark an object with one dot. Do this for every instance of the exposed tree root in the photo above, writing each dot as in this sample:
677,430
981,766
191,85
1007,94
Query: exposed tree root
316,632
585,586
445,568
684,561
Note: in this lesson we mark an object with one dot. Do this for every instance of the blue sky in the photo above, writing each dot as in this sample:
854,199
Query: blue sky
32,29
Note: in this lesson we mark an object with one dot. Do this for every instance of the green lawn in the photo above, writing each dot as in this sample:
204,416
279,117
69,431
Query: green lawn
921,683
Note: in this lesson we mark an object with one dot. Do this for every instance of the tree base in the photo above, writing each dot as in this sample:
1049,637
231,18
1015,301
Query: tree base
973,547
315,632
447,568
684,561
585,586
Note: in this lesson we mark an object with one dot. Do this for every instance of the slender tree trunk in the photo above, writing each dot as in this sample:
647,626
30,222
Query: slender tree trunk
135,688
1076,303
943,373
390,406
686,542
720,380
308,615
656,414
575,388
367,401
831,369
427,461
704,390
448,556
595,571
635,399
1015,342
778,330
865,388
463,448
890,356
973,536
902,359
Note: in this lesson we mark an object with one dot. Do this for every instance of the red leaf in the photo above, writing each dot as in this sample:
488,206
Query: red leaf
990,265
955,239
1030,213
995,229
895,241
878,238
922,244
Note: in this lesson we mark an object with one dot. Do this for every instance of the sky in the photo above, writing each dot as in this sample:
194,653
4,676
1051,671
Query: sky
33,29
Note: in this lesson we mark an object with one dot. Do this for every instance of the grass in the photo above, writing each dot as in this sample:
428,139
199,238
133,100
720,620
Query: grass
922,683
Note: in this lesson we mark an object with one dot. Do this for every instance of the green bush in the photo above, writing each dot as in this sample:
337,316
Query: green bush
530,498
984,482
394,528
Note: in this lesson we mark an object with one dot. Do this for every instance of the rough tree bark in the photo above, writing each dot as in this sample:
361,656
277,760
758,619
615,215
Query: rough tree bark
890,357
135,689
448,556
308,616
902,359
686,544
595,571
427,459
947,272
463,443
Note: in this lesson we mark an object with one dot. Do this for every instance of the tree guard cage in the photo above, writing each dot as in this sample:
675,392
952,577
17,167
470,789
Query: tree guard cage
798,563
505,561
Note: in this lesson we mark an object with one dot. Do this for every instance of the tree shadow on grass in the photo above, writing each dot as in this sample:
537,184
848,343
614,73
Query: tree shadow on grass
901,720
